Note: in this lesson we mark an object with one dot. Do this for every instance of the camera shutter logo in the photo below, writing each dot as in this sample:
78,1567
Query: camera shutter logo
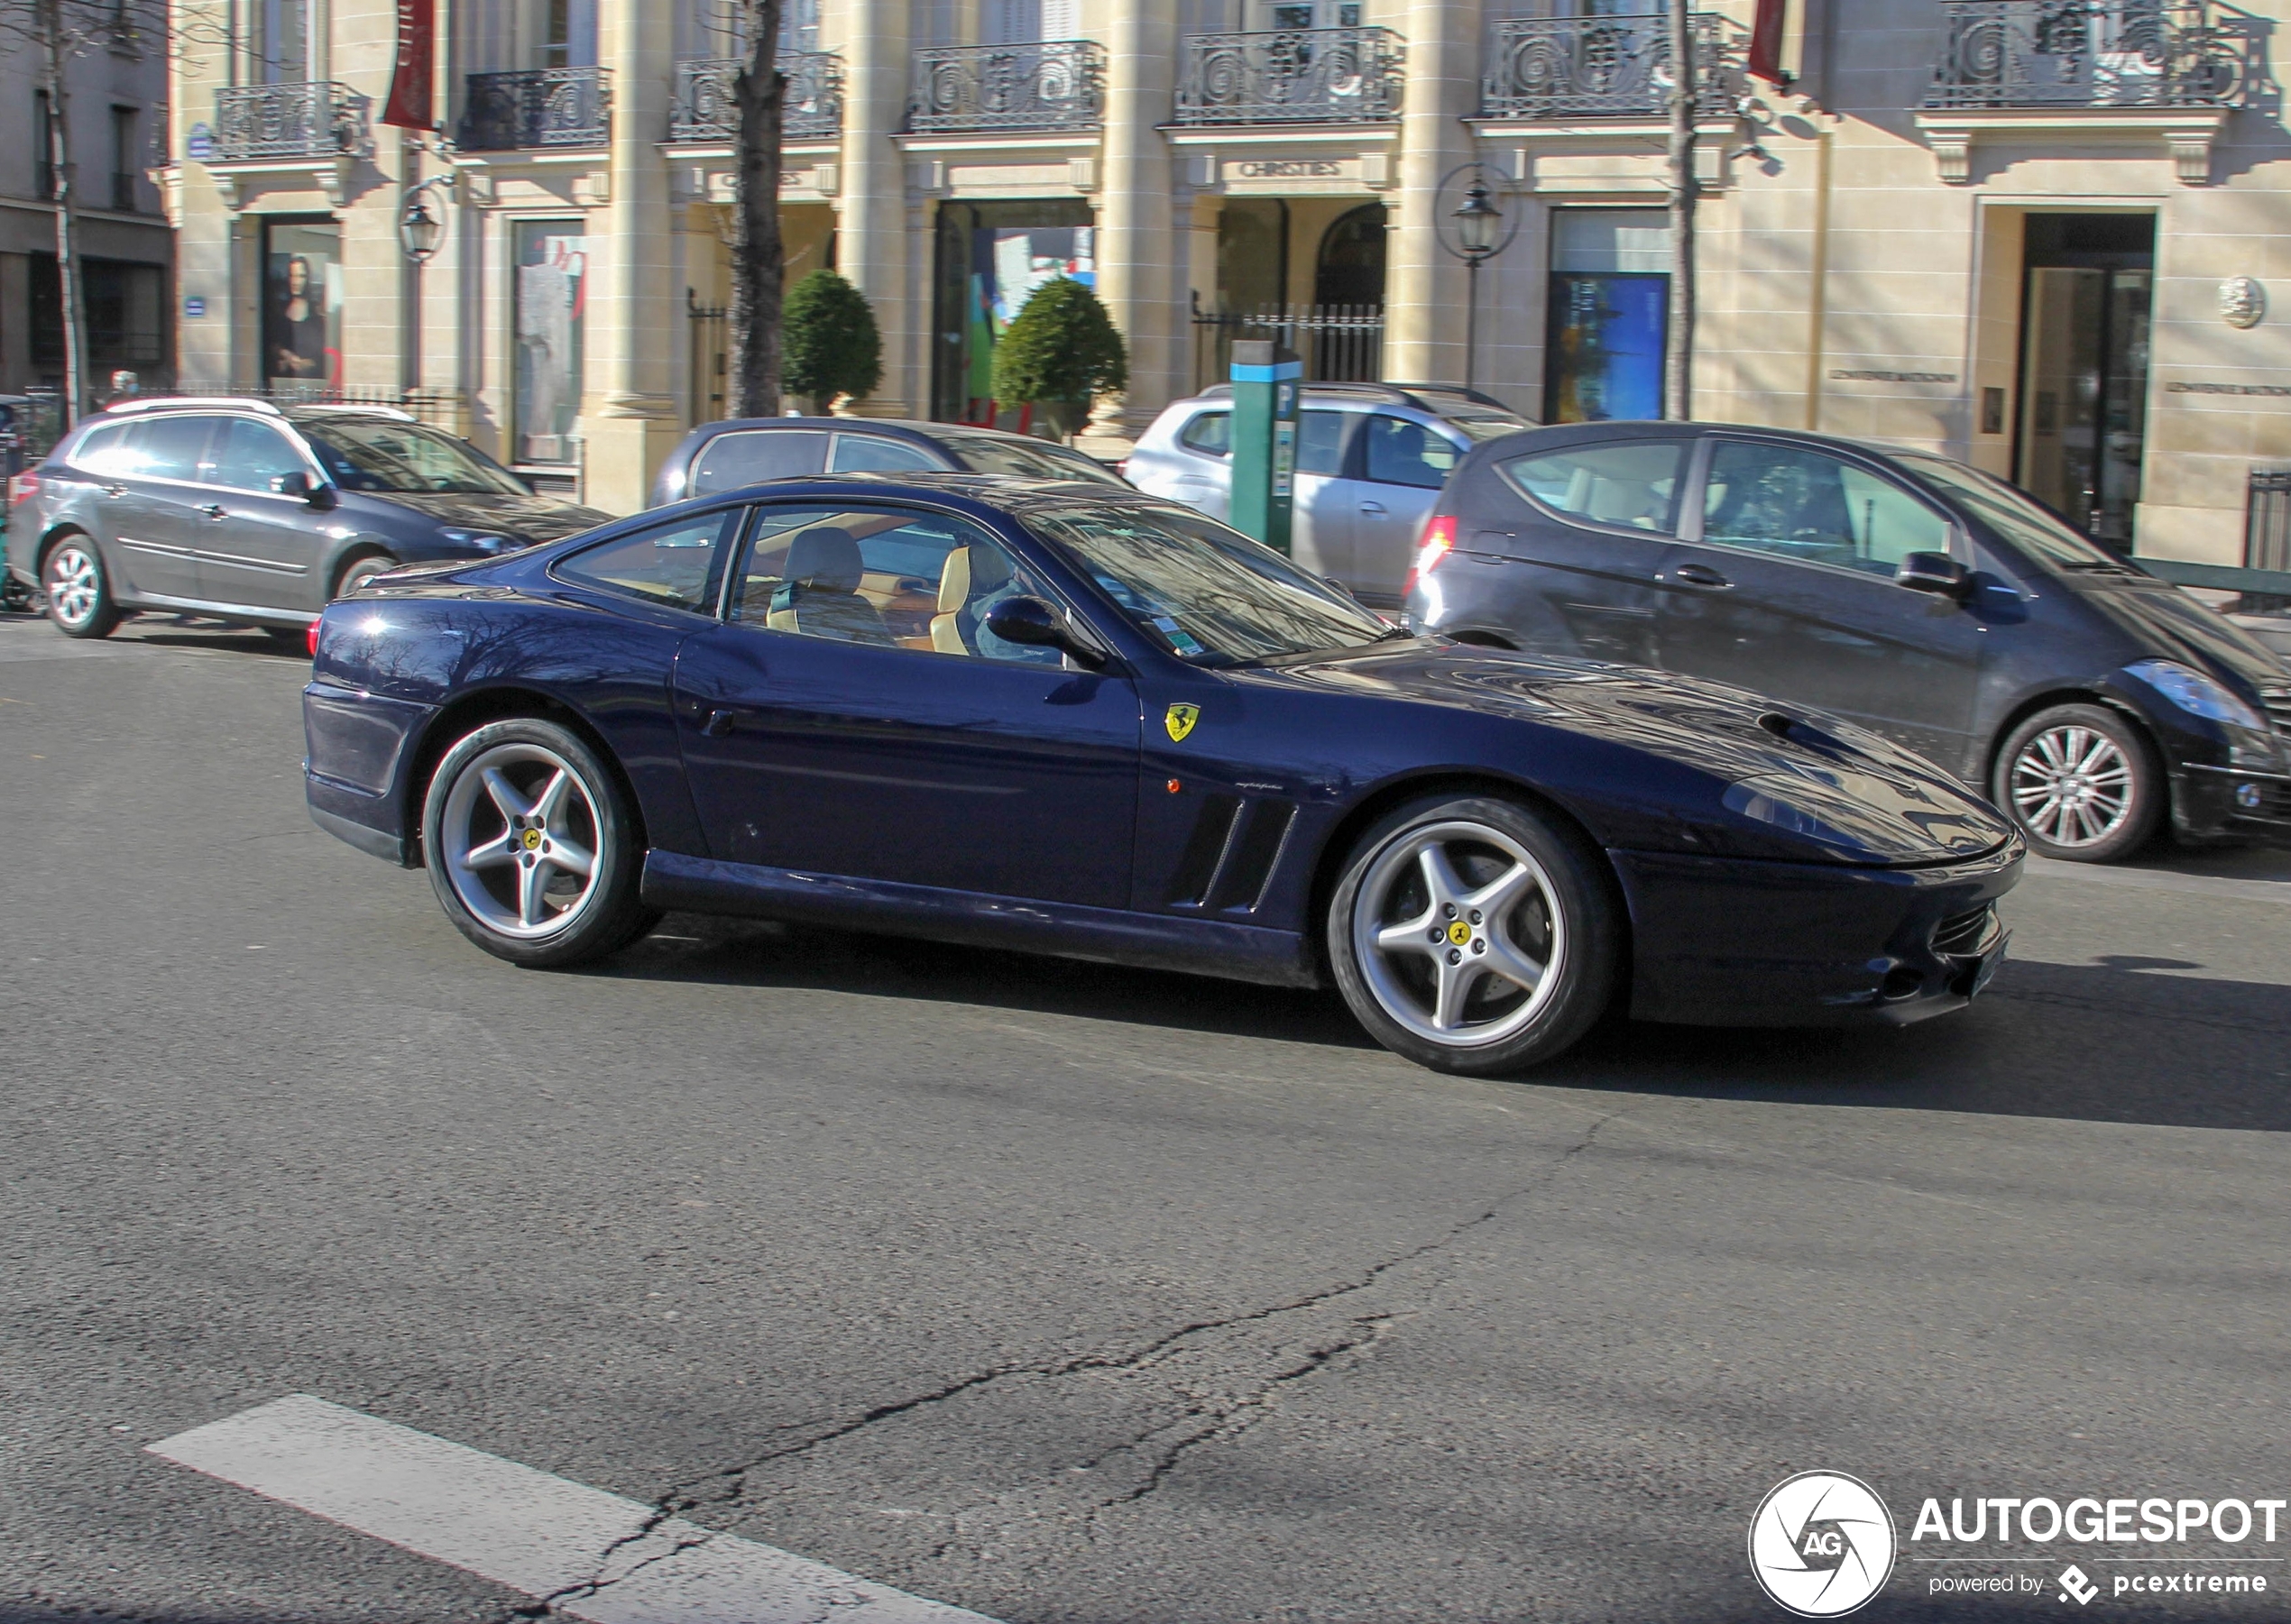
1822,1544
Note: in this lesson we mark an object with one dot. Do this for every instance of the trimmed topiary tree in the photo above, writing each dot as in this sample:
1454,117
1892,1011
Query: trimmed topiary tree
830,344
1061,352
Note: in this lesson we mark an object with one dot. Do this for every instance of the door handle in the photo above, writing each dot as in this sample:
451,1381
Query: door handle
1700,574
1372,507
718,724
215,511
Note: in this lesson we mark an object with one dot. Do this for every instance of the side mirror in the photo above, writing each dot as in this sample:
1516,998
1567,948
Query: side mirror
1035,624
1935,573
320,496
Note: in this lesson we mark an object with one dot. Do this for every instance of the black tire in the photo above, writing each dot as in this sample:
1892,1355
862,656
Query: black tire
488,902
2084,784
358,572
1566,910
78,588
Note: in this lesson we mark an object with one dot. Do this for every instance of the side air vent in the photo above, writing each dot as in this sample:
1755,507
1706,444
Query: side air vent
1205,850
1251,857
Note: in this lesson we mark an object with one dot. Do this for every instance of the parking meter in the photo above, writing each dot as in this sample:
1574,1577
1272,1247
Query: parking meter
1265,387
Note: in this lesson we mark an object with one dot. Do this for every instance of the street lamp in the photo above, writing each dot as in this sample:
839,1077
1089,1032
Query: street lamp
1481,233
420,233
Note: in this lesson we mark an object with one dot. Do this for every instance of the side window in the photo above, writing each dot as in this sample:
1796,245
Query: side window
730,461
1209,433
894,579
168,448
1401,452
1809,506
247,455
104,450
862,454
667,565
1320,441
1630,485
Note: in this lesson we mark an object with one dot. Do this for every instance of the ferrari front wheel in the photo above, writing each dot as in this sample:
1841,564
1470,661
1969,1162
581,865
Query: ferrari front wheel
532,847
1473,935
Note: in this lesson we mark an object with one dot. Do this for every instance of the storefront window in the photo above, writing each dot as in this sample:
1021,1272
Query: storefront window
1610,310
552,282
302,305
991,256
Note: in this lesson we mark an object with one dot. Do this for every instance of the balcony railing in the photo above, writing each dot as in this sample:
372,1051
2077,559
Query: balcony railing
1050,85
706,108
2094,53
537,108
1291,76
1551,68
314,119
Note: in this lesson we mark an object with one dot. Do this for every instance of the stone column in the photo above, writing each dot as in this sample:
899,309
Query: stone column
874,250
1423,284
1140,252
629,417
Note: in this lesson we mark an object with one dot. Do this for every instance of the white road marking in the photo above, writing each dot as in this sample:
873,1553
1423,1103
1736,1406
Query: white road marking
2152,879
534,1533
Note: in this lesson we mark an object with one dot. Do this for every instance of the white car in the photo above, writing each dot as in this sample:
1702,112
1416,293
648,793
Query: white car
1371,458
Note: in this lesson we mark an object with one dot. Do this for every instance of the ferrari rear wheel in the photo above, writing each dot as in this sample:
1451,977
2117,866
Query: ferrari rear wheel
530,846
1473,935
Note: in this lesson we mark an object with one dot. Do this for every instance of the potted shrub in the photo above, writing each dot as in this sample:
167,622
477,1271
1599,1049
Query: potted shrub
1060,355
829,346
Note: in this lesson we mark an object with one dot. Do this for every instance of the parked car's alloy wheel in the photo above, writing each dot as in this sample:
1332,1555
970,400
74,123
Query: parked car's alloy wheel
79,598
530,845
1472,935
2082,783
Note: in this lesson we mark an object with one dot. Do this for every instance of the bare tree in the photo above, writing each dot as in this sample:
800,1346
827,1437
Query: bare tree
760,93
1677,380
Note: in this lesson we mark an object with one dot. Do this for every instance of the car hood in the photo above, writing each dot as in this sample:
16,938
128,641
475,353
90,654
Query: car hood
2170,623
1745,774
534,518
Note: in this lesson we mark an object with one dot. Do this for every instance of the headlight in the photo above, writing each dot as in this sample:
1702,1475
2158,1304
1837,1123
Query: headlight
2196,694
486,539
1755,798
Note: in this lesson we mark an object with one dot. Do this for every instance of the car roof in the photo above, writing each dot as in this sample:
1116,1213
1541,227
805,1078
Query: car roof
916,427
1007,492
1416,395
1568,434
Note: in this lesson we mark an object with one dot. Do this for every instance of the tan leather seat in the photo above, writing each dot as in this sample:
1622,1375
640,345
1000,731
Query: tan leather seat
818,595
954,592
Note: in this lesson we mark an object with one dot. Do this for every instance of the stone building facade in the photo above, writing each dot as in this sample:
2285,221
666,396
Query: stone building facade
2050,236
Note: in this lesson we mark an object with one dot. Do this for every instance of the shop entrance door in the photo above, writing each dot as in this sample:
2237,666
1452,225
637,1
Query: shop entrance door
2083,368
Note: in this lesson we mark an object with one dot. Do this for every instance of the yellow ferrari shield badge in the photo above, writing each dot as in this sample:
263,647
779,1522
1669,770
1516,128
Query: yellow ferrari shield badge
1180,720
1460,932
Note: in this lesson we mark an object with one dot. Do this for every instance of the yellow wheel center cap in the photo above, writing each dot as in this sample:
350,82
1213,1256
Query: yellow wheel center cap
1460,932
532,840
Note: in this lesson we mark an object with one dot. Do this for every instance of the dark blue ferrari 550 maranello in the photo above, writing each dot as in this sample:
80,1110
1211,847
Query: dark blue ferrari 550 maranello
1057,717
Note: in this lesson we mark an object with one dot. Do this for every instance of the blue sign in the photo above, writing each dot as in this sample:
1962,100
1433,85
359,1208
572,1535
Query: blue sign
194,306
200,143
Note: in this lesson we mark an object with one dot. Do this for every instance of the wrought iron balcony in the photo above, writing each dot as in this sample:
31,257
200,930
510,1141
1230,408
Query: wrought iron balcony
536,108
314,119
1049,85
706,108
1556,68
1291,76
2094,53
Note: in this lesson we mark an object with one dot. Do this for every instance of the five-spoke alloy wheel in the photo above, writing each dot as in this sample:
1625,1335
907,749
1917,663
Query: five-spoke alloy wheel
2081,782
531,848
79,599
1473,935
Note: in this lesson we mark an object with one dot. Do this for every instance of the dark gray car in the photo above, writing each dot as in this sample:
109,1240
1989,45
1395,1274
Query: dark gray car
1896,589
254,515
743,451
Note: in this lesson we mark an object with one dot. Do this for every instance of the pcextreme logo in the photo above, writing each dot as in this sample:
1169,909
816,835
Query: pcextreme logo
1821,1544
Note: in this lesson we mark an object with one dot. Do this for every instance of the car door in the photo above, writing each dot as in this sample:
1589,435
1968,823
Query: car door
1566,544
1782,583
261,547
818,739
1403,463
155,503
1321,521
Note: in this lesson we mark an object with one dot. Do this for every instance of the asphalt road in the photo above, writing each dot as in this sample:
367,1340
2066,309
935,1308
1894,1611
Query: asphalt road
1060,1292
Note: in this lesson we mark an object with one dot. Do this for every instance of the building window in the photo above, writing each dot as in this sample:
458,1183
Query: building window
1609,315
126,309
123,159
991,256
570,27
552,284
302,305
285,46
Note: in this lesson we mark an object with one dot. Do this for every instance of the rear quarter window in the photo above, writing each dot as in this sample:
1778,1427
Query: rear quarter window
1633,486
729,461
667,565
1209,433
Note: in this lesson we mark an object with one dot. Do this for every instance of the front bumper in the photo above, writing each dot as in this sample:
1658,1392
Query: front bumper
1723,941
2218,803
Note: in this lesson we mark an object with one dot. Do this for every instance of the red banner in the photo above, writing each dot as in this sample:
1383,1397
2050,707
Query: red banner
411,100
1765,40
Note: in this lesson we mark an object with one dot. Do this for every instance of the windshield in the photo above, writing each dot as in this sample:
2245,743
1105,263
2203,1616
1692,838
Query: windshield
1035,459
2010,513
377,453
1207,594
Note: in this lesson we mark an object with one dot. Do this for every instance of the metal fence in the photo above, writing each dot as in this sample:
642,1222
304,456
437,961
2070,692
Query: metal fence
709,329
314,119
537,108
707,109
1291,76
1603,67
440,408
1336,344
2094,53
2266,520
1049,85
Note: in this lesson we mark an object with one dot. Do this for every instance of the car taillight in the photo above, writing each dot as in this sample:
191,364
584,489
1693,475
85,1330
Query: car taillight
1440,536
314,637
22,488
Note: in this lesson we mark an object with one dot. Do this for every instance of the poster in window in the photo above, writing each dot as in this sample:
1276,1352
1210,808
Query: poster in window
302,306
1606,346
552,284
